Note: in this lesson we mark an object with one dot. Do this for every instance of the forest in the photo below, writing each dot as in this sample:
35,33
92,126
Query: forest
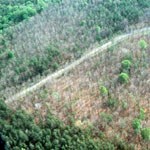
39,37
20,131
33,49
15,11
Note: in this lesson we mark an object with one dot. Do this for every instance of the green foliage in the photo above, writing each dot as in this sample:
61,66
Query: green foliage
136,124
41,4
142,114
56,96
112,103
106,11
143,44
22,13
98,29
83,23
126,64
145,132
144,3
10,54
51,60
17,11
103,91
124,105
107,118
19,131
123,78
122,145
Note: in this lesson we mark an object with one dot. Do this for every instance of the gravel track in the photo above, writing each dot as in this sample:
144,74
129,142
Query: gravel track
143,31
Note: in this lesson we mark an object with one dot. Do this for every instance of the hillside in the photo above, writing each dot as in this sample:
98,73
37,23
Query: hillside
60,34
79,94
74,75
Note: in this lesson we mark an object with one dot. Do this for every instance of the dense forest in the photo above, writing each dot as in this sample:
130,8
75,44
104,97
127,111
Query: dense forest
62,32
15,11
19,131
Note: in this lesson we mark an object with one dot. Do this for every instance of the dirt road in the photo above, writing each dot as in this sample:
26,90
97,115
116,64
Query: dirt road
92,53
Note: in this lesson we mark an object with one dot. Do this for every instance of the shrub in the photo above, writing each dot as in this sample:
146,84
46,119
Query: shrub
142,114
112,103
143,44
122,145
10,54
103,91
56,96
98,29
107,118
123,78
146,134
55,66
136,124
124,105
126,64
83,22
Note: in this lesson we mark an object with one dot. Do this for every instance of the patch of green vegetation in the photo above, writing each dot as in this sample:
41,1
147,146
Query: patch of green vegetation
10,54
14,12
103,91
110,21
123,78
107,118
143,44
142,114
136,124
19,131
25,69
56,96
122,145
112,102
145,132
51,60
126,64
124,105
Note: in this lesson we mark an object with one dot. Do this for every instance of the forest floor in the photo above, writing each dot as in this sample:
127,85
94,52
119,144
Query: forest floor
78,62
73,92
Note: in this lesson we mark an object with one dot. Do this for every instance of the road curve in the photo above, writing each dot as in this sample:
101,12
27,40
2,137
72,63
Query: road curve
143,31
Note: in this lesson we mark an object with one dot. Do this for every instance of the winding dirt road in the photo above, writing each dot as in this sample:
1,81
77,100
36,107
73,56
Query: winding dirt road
143,31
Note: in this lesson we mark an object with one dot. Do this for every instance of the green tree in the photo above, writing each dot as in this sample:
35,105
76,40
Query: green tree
123,78
145,132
